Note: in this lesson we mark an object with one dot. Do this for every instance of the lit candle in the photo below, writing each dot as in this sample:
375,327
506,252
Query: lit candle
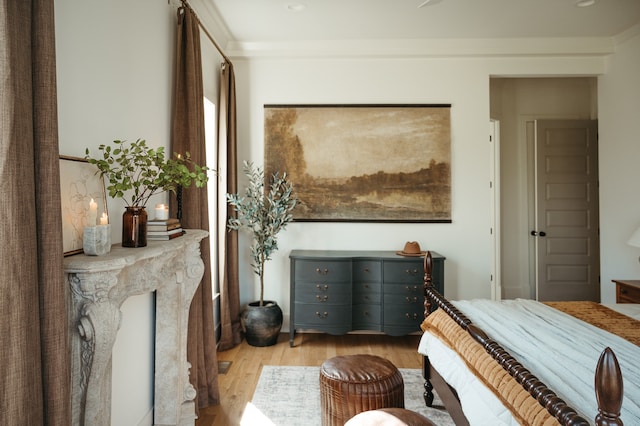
93,213
162,212
104,220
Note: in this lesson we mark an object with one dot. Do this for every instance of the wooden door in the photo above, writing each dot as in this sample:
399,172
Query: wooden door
566,232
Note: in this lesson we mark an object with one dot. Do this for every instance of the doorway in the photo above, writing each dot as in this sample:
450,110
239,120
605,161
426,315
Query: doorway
518,103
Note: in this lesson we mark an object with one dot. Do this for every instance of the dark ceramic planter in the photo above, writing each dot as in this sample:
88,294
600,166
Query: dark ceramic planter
262,324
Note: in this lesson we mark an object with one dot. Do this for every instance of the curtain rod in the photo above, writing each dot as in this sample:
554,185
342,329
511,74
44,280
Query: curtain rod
187,5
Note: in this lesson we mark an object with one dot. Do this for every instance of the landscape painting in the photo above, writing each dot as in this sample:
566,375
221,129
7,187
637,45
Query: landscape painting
365,163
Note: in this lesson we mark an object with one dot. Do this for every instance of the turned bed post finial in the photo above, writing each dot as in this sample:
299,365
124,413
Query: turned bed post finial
609,389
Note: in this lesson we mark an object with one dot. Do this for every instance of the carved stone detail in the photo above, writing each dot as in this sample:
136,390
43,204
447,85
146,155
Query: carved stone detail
99,286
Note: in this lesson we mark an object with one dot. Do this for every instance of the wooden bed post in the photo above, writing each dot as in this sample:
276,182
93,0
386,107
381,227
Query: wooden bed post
428,283
609,389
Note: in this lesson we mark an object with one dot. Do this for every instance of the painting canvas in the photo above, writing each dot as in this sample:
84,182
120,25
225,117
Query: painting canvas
79,183
381,163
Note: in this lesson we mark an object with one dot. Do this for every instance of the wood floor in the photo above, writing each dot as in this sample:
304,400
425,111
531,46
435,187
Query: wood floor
311,349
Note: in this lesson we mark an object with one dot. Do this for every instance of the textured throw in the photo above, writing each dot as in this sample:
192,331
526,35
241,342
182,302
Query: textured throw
602,317
524,408
290,396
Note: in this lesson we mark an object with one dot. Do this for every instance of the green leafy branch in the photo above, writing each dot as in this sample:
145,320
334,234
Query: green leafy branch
145,171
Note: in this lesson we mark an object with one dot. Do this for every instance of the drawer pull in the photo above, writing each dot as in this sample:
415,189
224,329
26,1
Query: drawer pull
366,270
322,287
322,315
410,300
408,288
623,290
411,272
324,271
409,316
323,298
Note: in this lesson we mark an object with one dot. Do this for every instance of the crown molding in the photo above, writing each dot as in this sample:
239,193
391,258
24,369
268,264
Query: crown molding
627,34
424,48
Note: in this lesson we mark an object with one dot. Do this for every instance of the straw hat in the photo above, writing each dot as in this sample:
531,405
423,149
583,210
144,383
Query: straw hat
412,249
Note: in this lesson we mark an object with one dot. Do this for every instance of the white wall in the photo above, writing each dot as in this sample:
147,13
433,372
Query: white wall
619,152
462,82
114,67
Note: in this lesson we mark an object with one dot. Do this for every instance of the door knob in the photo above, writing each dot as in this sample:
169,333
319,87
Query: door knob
534,233
542,233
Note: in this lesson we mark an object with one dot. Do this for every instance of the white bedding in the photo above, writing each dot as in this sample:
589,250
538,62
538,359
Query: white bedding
524,342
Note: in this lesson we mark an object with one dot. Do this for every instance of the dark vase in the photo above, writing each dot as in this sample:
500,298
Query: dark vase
134,227
262,324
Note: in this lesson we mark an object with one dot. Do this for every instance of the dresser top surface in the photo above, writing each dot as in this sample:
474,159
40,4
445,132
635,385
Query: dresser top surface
357,254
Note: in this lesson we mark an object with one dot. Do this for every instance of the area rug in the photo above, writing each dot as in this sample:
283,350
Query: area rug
290,396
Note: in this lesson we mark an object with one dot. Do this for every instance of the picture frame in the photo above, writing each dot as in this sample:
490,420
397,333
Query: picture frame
363,163
80,181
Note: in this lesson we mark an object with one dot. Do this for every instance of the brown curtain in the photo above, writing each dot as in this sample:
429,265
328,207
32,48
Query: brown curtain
227,241
188,135
34,351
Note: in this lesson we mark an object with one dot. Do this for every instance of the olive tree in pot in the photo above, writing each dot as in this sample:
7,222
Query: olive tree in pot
264,212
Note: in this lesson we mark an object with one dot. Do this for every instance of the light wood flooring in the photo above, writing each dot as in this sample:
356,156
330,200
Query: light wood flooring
311,349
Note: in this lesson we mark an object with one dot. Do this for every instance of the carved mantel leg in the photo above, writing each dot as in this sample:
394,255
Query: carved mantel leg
174,394
97,319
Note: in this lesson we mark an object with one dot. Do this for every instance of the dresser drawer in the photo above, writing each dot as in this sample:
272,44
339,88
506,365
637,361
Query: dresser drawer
367,317
367,287
403,272
627,293
408,289
322,271
323,292
368,297
402,319
367,270
403,299
327,317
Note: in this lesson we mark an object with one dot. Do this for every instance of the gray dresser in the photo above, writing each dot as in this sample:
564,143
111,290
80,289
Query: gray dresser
341,291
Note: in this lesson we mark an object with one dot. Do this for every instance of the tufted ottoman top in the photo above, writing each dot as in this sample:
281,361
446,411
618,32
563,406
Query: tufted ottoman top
358,368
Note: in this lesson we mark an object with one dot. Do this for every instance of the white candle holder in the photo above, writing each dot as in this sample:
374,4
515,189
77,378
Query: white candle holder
97,240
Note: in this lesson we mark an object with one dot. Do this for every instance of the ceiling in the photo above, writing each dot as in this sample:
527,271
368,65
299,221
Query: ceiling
286,21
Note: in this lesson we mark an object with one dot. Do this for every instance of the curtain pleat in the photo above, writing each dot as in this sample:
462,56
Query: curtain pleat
231,332
188,135
34,354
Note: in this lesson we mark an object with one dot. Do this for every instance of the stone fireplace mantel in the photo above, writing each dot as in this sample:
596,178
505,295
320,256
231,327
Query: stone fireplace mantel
99,285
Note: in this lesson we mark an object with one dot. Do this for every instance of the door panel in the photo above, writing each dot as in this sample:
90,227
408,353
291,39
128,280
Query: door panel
566,234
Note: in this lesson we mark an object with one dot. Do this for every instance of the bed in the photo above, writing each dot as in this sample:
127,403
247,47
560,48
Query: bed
562,370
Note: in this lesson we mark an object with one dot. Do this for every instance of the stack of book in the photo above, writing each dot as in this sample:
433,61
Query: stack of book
167,229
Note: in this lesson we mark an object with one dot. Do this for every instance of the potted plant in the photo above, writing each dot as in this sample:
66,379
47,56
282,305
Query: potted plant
143,172
264,212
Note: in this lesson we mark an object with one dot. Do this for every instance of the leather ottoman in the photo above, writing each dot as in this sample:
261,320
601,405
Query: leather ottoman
352,384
